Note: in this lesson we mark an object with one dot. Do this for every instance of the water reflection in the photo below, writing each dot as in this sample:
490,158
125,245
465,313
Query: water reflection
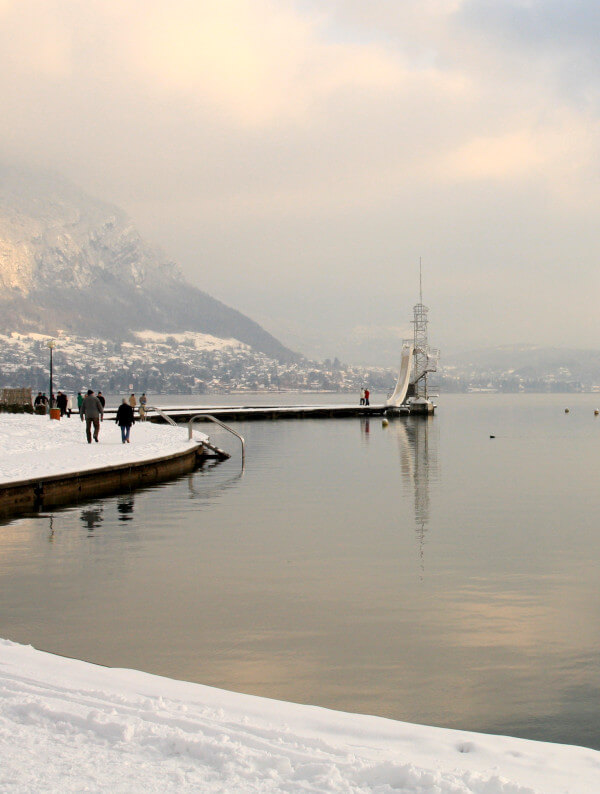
92,516
417,444
125,504
209,492
365,428
301,580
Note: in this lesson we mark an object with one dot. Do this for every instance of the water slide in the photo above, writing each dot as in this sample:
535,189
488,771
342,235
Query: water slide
399,394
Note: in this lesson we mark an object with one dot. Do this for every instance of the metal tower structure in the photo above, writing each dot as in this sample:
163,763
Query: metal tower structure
425,357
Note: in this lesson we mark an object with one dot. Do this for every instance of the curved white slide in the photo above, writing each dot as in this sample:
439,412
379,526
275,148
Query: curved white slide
399,394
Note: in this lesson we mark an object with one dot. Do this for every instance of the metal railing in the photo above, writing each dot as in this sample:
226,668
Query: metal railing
197,417
210,418
165,416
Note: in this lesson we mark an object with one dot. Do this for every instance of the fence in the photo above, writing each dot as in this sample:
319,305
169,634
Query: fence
15,401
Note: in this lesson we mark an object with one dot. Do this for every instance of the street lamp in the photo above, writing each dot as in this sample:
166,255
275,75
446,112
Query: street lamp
51,344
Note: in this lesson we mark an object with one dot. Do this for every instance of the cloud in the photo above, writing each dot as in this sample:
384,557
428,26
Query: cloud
40,49
379,332
279,148
258,61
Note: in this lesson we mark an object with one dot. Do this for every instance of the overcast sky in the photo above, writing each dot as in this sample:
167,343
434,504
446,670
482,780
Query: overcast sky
296,158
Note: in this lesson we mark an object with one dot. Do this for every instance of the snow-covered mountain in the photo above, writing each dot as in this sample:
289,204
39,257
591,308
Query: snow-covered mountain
72,263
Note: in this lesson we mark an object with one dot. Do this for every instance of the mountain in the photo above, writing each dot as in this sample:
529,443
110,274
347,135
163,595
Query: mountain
532,367
73,263
531,360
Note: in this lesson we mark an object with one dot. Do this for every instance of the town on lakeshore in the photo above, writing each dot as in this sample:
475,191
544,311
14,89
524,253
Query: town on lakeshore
299,397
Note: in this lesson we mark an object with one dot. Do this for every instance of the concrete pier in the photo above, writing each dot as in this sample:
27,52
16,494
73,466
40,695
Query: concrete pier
44,492
227,413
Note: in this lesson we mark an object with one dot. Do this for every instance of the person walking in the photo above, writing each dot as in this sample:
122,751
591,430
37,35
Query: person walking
79,404
101,398
367,393
92,409
61,402
142,409
125,419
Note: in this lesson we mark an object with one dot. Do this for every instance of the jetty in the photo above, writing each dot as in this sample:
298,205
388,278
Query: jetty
409,398
45,464
245,413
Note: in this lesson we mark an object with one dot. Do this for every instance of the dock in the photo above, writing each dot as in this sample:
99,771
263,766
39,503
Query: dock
245,413
42,493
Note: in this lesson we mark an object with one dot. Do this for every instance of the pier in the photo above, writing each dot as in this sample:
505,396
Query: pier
41,493
245,413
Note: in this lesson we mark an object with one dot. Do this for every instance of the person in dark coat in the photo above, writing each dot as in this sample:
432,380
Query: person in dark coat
61,402
125,419
92,410
101,398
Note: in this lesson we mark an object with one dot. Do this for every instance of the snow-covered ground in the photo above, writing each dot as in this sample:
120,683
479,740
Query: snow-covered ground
35,446
67,725
195,339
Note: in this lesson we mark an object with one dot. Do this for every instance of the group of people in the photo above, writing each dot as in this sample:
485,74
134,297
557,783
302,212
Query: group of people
364,396
91,411
41,399
60,400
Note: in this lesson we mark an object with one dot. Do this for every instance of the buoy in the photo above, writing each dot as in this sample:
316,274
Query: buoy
384,423
566,410
492,436
596,412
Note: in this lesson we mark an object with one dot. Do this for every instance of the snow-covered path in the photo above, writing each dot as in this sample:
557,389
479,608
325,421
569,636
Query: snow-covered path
66,725
35,446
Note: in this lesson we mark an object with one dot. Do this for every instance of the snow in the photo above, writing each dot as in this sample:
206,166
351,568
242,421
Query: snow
176,410
199,340
67,725
35,446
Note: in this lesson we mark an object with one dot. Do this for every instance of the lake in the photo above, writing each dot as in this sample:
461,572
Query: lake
421,571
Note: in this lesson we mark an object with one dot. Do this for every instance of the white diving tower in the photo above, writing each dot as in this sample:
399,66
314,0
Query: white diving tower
418,360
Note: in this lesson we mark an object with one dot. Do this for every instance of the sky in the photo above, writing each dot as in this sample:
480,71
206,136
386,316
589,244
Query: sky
297,157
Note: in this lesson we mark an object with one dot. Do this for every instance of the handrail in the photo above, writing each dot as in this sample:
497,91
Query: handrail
165,416
171,421
196,417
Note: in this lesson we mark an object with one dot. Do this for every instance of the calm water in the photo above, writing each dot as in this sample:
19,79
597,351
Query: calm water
422,571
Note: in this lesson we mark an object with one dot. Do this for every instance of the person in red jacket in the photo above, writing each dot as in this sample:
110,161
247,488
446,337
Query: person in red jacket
367,392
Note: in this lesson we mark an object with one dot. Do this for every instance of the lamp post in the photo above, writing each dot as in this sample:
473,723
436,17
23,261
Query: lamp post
51,344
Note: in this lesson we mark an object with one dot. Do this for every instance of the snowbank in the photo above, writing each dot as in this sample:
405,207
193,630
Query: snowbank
35,446
66,725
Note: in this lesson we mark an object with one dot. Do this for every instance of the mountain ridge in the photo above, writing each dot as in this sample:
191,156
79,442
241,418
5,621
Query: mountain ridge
72,262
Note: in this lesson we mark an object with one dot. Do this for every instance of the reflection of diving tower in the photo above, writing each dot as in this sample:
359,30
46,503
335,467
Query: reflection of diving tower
418,447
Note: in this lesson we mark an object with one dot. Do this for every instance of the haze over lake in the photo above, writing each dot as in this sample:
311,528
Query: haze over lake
423,571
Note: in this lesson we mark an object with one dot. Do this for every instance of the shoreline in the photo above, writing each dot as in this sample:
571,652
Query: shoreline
47,463
39,493
74,725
